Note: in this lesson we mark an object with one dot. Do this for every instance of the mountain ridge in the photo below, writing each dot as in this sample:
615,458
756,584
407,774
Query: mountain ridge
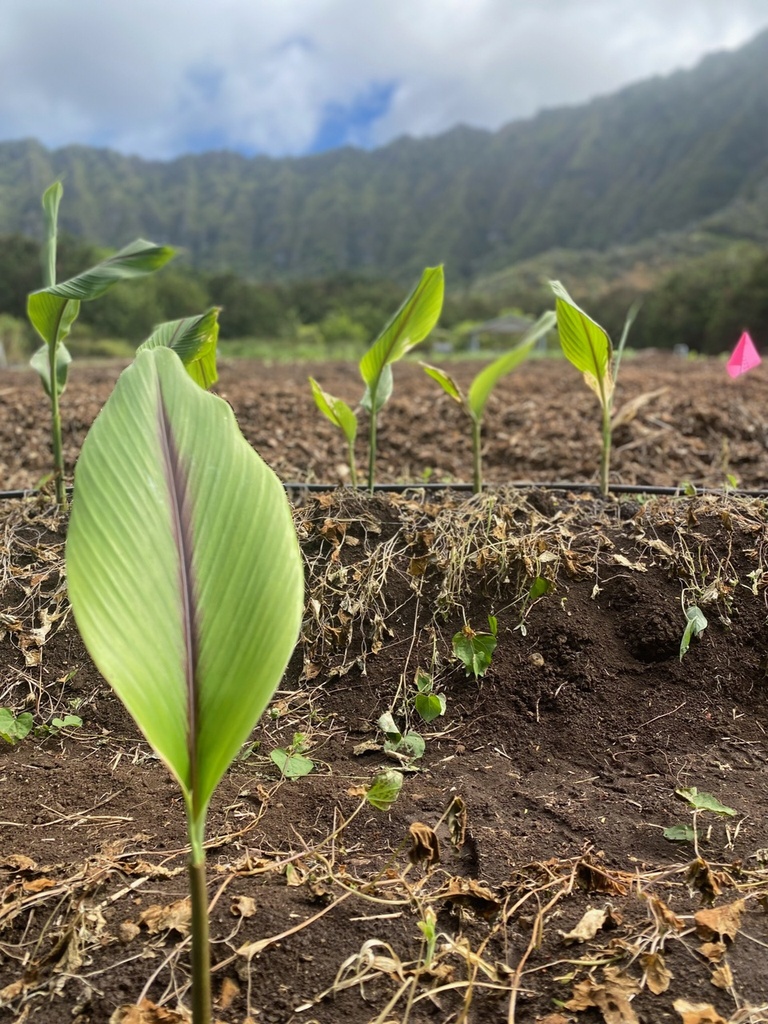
658,155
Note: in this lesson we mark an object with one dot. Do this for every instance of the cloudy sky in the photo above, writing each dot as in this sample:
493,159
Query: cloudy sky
162,77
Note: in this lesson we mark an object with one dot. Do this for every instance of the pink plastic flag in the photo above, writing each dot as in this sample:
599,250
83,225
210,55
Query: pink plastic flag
744,357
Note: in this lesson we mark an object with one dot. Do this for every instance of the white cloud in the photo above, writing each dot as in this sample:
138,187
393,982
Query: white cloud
158,77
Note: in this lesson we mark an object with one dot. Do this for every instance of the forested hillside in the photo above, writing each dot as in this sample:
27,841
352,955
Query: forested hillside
661,155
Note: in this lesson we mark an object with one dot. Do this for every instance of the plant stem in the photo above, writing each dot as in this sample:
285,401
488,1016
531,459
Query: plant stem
352,464
477,471
58,450
201,958
372,442
605,454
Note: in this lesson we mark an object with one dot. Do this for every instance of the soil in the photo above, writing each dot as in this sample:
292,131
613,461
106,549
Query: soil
544,790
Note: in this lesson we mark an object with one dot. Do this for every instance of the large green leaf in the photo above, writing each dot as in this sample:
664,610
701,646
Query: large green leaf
410,325
486,380
184,571
45,307
193,339
584,343
336,410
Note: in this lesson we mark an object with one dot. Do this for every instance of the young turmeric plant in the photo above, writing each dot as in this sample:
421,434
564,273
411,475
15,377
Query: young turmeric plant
186,583
587,346
53,309
410,325
476,399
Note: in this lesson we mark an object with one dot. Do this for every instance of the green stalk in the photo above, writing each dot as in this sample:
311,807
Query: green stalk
49,279
605,454
201,957
372,442
58,452
477,472
352,465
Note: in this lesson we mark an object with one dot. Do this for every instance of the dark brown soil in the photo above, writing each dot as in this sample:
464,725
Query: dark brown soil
561,765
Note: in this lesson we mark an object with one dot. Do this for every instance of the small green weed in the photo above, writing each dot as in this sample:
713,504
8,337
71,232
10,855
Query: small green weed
14,727
699,803
475,650
428,704
291,760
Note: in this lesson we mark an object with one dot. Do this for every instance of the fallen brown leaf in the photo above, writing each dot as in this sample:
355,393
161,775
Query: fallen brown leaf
697,1013
657,974
425,846
714,951
147,1013
175,917
719,922
243,906
228,992
611,997
588,927
722,976
699,875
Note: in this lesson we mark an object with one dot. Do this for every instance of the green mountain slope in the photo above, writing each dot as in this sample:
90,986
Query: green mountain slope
660,155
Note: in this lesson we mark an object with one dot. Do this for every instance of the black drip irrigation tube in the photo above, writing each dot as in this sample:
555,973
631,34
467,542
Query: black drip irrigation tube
564,486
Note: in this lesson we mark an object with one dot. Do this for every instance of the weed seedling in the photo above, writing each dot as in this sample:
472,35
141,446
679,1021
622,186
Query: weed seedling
475,650
587,346
428,704
340,414
405,747
476,399
696,623
699,803
14,727
291,760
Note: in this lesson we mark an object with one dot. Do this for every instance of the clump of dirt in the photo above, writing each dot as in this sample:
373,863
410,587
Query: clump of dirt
523,874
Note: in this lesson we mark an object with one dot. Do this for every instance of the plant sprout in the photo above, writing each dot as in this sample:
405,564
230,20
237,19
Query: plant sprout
475,650
474,402
588,347
408,327
340,414
54,308
185,579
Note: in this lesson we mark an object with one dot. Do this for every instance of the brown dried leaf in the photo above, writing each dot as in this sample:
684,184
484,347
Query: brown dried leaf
466,892
722,976
714,951
719,922
147,1013
11,991
38,884
425,846
243,906
127,931
664,915
597,879
697,1013
588,927
18,862
418,564
657,974
175,917
457,822
611,997
228,992
699,875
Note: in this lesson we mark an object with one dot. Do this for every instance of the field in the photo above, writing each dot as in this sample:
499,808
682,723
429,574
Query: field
544,790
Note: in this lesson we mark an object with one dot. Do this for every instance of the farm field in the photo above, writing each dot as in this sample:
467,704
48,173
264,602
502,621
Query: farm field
544,789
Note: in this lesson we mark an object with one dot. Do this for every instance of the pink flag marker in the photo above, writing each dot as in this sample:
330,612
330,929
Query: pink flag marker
744,357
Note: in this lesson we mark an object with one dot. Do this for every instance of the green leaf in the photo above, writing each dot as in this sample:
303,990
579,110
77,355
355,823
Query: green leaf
408,327
184,571
539,588
446,382
384,789
430,705
337,411
585,344
387,725
193,339
705,802
293,766
39,363
484,383
474,650
697,623
67,722
412,745
46,307
680,833
52,318
383,392
14,727
51,200
423,681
